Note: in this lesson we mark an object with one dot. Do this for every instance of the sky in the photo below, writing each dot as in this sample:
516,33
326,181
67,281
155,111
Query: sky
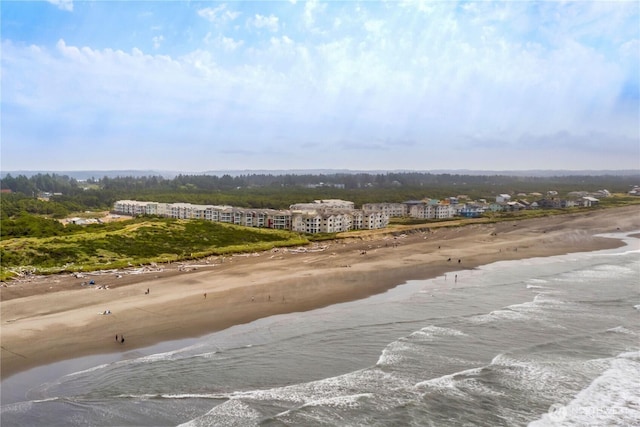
362,85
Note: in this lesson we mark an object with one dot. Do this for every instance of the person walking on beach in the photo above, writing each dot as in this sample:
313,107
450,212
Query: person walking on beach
116,337
122,339
205,295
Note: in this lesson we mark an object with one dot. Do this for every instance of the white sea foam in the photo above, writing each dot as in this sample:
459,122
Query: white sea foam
621,330
446,381
348,401
230,413
195,396
458,384
86,371
17,408
597,273
208,355
538,377
340,402
396,352
536,309
431,333
392,353
502,314
536,283
157,357
613,398
48,399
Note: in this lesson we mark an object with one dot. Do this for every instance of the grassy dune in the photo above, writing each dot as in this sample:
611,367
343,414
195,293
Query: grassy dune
136,242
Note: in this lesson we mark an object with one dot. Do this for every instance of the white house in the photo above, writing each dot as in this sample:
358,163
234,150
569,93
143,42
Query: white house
503,198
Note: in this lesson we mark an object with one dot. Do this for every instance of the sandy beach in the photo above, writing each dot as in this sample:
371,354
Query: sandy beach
47,319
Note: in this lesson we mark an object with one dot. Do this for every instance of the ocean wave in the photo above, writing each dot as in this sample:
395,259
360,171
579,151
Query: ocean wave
613,398
542,378
346,401
392,354
536,283
537,309
158,357
398,351
447,381
232,412
342,392
178,396
195,396
87,371
597,273
437,331
622,330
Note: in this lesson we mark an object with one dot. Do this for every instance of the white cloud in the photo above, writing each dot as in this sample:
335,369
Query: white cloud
270,23
311,9
218,14
374,26
63,4
227,44
630,49
230,44
496,73
157,41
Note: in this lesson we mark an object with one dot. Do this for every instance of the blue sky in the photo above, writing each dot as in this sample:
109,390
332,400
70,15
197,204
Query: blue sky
196,86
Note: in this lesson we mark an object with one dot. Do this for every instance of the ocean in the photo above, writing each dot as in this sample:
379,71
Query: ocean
539,342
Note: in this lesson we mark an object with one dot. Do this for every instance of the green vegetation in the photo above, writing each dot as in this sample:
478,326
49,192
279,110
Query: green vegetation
280,191
618,200
139,241
31,237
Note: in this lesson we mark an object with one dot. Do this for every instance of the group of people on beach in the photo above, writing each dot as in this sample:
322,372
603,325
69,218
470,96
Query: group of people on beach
121,340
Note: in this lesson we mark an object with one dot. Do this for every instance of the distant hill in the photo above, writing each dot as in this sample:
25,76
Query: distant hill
97,174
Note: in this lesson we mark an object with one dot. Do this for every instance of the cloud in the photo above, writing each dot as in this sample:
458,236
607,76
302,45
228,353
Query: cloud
374,26
218,14
311,9
269,23
157,41
63,4
482,82
228,44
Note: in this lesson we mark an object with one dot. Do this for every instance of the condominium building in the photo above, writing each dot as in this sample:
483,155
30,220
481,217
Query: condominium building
324,216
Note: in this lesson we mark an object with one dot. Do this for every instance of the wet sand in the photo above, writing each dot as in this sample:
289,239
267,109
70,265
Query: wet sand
53,318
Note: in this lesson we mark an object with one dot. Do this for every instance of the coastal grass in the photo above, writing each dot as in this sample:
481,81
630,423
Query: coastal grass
144,241
136,242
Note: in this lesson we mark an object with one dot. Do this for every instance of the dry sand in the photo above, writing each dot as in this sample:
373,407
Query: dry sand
47,319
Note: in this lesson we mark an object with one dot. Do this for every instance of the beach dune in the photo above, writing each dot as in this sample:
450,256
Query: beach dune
52,318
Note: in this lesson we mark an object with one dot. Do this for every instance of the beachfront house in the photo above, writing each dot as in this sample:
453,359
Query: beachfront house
588,201
503,198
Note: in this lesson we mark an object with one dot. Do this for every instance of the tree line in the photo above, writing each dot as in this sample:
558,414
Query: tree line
276,191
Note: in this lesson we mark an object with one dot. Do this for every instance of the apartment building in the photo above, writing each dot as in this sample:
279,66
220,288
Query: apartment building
391,209
323,205
327,216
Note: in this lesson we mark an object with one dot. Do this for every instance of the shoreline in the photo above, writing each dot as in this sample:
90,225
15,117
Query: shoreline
54,318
